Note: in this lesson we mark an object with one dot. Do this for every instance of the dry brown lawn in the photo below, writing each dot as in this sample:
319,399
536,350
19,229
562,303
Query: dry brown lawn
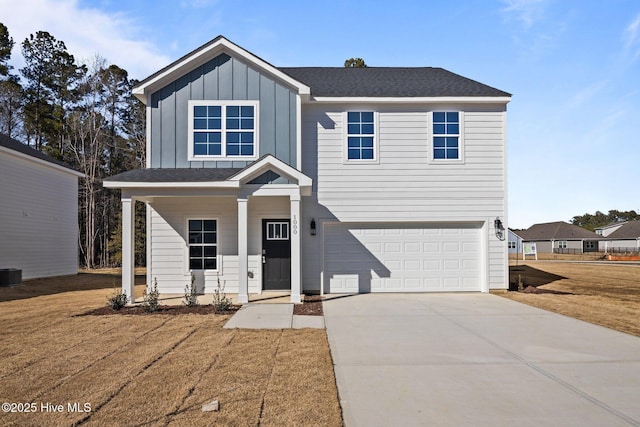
153,370
602,293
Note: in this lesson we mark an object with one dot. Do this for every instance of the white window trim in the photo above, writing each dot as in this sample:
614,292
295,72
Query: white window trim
345,138
461,144
256,128
187,244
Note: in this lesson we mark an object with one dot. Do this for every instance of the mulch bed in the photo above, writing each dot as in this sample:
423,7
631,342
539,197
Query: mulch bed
163,309
310,306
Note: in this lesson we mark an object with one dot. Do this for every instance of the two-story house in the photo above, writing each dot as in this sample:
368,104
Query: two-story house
318,179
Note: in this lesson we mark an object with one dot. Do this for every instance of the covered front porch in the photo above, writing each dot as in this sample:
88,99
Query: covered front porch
238,229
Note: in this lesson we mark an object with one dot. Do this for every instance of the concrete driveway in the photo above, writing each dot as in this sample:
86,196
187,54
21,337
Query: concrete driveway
477,360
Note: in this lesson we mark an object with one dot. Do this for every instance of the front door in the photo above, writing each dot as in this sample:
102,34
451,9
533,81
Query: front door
276,254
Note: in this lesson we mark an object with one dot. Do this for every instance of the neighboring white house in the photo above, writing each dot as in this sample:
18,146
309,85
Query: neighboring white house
514,242
318,179
624,238
38,212
606,230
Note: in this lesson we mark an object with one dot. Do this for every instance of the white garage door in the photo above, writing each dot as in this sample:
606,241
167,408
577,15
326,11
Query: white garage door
407,258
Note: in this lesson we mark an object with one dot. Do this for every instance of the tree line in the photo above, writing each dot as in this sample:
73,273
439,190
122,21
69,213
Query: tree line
84,115
600,219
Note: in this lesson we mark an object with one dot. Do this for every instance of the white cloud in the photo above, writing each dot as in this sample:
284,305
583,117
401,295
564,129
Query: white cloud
85,31
632,36
526,11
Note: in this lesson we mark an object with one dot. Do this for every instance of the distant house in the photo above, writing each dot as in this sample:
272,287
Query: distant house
514,241
561,237
38,212
625,237
605,230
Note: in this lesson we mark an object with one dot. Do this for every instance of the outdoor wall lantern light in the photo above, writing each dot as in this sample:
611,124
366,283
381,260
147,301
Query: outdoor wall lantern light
313,227
499,228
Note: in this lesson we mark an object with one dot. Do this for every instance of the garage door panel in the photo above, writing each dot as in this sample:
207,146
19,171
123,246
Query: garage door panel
391,258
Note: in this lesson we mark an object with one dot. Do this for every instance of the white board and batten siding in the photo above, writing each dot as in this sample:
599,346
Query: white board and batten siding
38,217
406,193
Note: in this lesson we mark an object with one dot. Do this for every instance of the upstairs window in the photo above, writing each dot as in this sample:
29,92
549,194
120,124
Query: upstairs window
223,129
360,136
446,135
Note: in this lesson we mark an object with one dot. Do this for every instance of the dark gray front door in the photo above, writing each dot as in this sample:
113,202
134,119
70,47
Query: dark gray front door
276,254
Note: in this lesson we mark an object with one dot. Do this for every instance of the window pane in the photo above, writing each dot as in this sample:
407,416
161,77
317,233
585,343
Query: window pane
215,111
233,111
367,128
233,149
210,264
452,153
199,123
210,237
354,129
246,137
209,225
195,264
199,111
215,149
195,251
353,142
246,150
452,128
353,117
195,225
210,251
452,142
367,117
439,142
438,128
200,149
246,124
195,237
233,123
367,154
215,137
199,137
438,153
247,111
214,123
452,116
438,116
233,137
353,154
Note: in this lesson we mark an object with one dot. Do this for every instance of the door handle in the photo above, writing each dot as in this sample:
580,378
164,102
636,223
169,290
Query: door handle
264,259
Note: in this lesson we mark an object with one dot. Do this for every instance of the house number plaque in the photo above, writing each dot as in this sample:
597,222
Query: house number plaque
294,225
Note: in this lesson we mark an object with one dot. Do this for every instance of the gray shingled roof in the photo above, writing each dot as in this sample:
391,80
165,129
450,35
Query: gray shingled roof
175,175
8,142
388,82
629,230
559,230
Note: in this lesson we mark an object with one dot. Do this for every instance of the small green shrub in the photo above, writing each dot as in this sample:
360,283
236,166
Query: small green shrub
191,293
220,300
151,299
118,299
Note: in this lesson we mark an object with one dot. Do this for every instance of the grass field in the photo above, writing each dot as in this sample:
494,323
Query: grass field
153,369
606,294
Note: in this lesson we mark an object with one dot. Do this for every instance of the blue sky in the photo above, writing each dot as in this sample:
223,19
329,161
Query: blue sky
573,67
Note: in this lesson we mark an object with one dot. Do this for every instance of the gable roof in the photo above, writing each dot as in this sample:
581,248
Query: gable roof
558,230
629,230
389,82
332,82
201,55
25,151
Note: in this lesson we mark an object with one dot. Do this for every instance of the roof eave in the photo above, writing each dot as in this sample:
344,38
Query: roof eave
413,99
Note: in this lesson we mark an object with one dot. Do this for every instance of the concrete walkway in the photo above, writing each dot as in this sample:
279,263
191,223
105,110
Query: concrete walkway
271,316
477,360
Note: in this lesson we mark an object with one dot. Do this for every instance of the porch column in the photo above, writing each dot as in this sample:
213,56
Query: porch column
243,251
296,276
128,250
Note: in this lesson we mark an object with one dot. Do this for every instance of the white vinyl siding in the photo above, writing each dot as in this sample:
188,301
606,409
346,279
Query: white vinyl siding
38,218
404,185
